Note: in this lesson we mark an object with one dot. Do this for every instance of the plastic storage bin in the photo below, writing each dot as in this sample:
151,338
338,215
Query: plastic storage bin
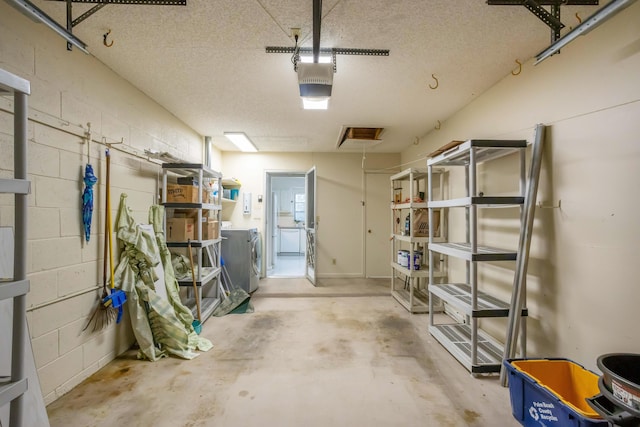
552,392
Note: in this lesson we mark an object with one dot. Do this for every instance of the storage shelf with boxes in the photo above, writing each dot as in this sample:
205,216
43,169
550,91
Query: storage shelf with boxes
410,238
181,227
192,223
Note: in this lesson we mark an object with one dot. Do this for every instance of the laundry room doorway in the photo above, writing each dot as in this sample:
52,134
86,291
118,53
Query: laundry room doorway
285,222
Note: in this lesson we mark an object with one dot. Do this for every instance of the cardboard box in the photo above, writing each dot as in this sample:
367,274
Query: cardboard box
180,229
188,180
210,230
187,213
421,223
185,194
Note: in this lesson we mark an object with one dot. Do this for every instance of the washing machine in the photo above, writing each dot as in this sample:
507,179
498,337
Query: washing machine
241,252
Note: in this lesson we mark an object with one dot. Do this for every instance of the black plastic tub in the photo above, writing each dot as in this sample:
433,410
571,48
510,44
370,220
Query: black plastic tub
621,377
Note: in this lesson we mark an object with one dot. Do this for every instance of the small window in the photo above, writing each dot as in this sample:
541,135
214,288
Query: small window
298,209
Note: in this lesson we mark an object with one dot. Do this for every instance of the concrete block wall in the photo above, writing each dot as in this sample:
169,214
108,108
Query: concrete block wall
70,90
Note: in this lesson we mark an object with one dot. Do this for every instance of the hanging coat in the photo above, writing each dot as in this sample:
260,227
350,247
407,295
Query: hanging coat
161,324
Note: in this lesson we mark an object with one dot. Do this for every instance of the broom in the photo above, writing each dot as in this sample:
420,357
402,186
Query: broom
104,314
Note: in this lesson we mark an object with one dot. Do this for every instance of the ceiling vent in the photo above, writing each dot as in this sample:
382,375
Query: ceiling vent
359,137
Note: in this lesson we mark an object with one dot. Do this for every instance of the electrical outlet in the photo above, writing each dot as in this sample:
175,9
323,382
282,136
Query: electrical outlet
295,32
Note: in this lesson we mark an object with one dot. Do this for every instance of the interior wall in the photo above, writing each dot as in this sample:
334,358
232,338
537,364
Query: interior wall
69,90
582,280
339,200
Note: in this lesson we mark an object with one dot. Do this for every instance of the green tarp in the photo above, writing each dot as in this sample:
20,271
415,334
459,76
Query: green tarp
161,324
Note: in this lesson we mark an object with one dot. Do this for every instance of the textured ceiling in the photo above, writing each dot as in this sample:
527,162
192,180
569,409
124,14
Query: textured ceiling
206,62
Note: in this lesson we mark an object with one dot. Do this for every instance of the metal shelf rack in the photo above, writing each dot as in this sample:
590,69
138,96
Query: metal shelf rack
408,284
206,251
471,346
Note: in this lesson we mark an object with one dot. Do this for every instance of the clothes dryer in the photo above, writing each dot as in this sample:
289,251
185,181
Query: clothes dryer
241,253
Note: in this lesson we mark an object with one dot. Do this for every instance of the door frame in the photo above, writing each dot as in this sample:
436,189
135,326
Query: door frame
365,246
269,219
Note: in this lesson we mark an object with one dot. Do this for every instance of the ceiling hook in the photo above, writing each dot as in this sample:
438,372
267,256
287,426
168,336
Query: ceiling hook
438,126
104,39
519,68
436,79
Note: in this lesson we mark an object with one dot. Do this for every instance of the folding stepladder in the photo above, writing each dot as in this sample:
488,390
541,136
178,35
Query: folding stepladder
13,390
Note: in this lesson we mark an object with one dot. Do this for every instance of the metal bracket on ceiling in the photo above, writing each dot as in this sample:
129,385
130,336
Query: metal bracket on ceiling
336,50
99,4
87,14
329,51
552,19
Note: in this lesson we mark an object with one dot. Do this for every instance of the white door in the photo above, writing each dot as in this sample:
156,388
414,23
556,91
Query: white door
311,226
377,225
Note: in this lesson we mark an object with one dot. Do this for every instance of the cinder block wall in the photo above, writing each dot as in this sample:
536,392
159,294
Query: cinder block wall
69,90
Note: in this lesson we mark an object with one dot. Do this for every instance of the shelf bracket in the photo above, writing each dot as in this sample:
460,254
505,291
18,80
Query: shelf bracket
99,4
543,205
551,18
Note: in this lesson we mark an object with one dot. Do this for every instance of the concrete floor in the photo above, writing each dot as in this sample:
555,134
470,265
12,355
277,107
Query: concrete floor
342,354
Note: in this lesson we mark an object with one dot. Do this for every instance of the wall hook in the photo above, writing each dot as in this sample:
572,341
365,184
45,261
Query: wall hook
579,21
104,39
105,142
551,206
438,126
437,83
519,68
87,137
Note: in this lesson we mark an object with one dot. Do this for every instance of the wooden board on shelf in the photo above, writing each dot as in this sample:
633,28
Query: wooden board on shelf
444,148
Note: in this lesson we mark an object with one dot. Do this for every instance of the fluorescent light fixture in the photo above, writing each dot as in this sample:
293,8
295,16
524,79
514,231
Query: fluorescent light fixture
241,141
315,103
36,15
589,24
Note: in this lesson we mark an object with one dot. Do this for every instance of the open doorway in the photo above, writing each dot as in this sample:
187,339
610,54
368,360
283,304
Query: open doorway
285,244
